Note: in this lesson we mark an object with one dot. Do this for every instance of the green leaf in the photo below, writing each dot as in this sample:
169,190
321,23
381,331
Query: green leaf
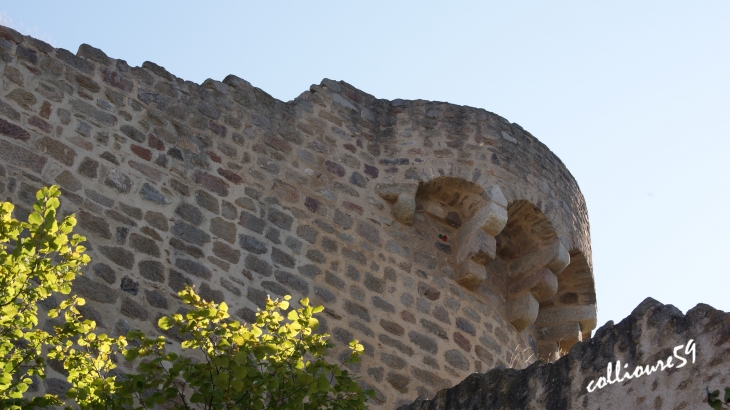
165,323
35,218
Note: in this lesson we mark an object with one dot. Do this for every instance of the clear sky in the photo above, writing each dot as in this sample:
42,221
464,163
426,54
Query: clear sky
634,97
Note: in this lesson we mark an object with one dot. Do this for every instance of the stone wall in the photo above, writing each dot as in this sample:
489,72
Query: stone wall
445,238
653,332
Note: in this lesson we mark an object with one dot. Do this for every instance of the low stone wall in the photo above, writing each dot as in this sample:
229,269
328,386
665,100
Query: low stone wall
698,344
445,238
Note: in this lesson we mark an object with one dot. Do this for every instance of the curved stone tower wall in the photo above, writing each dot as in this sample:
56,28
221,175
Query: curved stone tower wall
445,238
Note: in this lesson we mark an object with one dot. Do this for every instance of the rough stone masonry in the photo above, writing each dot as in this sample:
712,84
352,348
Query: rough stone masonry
445,238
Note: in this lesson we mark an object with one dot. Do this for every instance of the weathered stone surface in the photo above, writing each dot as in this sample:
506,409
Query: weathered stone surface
258,265
94,290
479,247
457,360
470,274
150,193
292,281
522,311
133,310
156,220
585,315
649,334
554,257
17,155
156,299
280,219
189,233
118,255
105,272
129,285
382,304
252,222
404,209
56,150
542,283
152,270
395,343
13,131
357,310
424,342
282,258
193,268
119,181
226,253
144,244
189,213
223,229
177,281
391,191
94,224
23,98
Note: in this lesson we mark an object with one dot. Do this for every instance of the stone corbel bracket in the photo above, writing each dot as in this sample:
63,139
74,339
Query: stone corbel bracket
403,197
475,242
558,328
533,278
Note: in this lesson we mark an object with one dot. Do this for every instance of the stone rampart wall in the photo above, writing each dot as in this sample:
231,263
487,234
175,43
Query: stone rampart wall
683,354
438,235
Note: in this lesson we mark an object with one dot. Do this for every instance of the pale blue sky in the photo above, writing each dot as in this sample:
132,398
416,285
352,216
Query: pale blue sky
634,97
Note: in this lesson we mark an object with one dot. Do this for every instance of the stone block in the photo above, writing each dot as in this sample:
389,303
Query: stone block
434,328
397,344
494,193
456,360
424,342
542,283
562,332
152,270
479,247
435,210
119,256
404,208
193,268
391,192
585,315
17,155
133,310
56,150
470,274
554,257
189,213
94,290
190,234
492,218
382,304
148,192
522,312
13,131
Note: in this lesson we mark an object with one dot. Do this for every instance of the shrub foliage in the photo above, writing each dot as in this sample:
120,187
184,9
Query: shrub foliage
278,362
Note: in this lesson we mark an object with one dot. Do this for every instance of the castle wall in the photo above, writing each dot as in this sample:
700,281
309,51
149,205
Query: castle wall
445,238
680,357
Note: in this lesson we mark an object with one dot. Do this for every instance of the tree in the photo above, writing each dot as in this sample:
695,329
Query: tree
43,261
274,363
